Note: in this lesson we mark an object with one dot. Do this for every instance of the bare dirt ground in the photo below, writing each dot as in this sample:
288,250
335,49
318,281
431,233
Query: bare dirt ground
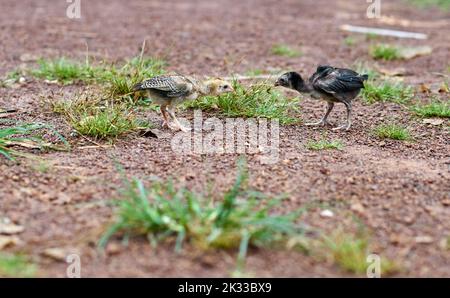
403,187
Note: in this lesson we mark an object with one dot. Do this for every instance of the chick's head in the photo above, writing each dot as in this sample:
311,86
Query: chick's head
289,80
218,86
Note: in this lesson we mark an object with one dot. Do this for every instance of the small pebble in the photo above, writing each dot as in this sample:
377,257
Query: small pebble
326,213
424,239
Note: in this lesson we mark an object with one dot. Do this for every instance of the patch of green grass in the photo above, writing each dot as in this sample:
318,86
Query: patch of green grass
372,36
385,52
237,219
350,41
285,50
324,145
120,81
80,103
256,101
16,266
10,78
13,75
20,135
386,92
378,90
105,124
64,71
442,4
392,131
433,109
350,253
364,68
91,116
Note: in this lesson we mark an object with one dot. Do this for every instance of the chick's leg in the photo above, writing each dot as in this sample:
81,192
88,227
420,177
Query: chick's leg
176,122
347,125
163,109
323,121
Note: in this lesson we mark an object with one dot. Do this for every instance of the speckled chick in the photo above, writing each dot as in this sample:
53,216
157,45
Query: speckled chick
170,90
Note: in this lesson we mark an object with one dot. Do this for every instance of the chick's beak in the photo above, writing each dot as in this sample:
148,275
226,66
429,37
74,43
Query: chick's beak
277,83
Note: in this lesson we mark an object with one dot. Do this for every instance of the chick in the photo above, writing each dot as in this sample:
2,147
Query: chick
170,90
330,84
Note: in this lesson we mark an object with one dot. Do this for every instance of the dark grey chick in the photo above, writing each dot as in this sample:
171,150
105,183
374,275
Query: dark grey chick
330,84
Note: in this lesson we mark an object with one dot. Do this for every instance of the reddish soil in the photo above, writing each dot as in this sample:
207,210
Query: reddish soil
404,187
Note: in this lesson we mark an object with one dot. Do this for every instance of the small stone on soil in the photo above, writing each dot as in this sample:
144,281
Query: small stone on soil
424,239
326,213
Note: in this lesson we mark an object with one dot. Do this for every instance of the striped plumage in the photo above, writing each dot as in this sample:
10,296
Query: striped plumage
170,90
167,87
330,84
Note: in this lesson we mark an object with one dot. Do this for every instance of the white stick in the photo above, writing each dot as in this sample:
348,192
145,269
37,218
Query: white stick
385,32
258,77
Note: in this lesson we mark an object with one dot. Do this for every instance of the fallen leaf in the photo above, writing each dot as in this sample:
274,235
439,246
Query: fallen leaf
433,121
6,241
444,243
113,248
424,88
443,88
398,239
35,145
25,143
412,52
10,229
55,253
393,72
